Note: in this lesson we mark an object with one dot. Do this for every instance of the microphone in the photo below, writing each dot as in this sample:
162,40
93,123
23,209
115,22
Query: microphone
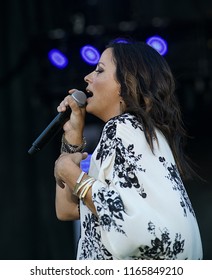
56,124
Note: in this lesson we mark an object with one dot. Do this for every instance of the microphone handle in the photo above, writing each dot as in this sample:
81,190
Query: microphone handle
50,132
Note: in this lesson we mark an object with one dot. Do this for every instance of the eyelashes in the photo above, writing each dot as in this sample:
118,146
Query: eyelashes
99,70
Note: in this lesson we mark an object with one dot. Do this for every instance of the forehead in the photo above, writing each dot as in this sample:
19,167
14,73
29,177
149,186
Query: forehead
107,57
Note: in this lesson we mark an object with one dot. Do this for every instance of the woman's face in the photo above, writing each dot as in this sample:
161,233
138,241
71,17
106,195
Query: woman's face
104,100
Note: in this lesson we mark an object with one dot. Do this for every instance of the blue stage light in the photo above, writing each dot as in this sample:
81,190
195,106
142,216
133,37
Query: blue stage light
121,41
158,43
57,58
85,164
90,54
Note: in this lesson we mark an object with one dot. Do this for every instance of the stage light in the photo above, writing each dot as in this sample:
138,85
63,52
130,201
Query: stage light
120,41
57,58
85,164
90,54
158,43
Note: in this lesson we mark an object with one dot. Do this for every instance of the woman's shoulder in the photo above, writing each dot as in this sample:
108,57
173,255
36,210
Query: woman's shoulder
126,122
125,119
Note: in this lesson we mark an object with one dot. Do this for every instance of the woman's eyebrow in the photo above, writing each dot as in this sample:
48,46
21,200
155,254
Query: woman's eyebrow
100,63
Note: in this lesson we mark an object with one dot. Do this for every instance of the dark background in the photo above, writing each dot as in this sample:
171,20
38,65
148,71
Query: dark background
30,90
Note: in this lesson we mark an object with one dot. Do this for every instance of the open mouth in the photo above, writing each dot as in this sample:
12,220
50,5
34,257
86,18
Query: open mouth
89,93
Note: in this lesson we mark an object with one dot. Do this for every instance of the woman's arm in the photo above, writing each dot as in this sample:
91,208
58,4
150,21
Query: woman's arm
66,172
66,204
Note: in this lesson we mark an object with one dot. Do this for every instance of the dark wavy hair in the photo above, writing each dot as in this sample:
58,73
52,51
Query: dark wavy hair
148,90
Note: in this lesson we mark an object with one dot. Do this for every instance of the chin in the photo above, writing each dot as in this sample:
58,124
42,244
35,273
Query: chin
90,109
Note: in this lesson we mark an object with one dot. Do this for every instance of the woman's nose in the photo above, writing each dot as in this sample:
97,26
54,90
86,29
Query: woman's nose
87,78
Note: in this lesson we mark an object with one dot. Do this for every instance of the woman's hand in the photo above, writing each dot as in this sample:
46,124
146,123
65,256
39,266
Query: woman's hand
67,168
66,173
73,128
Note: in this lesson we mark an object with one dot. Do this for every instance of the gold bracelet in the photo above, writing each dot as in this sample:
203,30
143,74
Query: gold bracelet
82,184
86,188
82,197
78,181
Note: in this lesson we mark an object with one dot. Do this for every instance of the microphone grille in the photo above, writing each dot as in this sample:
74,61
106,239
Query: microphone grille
80,97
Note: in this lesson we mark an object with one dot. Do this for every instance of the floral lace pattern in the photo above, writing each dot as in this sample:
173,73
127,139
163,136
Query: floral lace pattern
122,167
161,247
109,200
126,162
174,176
91,244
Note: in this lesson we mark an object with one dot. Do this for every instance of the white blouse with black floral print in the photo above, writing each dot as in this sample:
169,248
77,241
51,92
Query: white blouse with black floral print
144,211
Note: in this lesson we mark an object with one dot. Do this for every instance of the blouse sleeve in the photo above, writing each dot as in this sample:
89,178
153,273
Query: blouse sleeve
118,195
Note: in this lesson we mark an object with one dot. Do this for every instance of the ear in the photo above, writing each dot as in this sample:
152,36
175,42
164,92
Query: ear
121,98
122,105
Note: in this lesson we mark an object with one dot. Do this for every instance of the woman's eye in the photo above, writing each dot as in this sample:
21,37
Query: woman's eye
98,70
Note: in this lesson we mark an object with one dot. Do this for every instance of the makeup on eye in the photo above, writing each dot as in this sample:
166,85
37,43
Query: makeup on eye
99,70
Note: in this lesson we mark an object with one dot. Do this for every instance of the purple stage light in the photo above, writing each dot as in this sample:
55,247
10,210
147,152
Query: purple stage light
120,41
57,58
85,164
90,54
158,43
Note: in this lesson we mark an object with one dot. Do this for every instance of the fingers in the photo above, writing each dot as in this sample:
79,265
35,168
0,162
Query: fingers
68,158
68,101
78,157
71,91
84,155
64,166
